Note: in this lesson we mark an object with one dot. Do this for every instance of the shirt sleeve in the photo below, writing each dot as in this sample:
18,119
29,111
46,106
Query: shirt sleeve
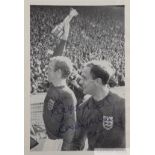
122,122
69,120
79,139
122,116
60,48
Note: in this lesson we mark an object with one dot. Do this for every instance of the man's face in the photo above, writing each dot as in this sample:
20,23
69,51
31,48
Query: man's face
88,84
51,72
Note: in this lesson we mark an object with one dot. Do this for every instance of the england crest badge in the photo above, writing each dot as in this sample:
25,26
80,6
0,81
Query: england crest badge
50,104
108,122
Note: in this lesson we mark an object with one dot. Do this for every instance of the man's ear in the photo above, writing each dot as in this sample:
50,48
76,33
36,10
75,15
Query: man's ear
99,81
59,73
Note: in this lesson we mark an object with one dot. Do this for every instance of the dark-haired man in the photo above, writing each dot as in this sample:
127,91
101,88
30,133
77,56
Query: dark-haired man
101,118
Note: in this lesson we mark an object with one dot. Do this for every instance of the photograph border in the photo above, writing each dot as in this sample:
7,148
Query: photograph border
27,118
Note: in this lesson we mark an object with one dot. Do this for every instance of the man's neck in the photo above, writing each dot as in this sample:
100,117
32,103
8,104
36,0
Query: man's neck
58,83
101,93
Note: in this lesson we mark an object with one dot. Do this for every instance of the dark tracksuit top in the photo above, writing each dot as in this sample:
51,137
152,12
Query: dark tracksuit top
59,109
59,113
103,123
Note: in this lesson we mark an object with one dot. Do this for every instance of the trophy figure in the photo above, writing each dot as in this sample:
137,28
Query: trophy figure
58,30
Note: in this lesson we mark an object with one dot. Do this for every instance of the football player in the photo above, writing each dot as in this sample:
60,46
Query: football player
101,118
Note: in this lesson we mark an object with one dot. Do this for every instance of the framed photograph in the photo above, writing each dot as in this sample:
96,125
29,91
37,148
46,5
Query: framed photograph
77,77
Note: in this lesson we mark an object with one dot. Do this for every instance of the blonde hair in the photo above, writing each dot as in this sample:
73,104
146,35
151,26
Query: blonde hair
64,64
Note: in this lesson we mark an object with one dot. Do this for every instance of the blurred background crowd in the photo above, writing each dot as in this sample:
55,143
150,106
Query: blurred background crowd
96,33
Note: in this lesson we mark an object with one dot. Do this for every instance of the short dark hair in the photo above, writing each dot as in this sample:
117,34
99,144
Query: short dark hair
64,64
101,69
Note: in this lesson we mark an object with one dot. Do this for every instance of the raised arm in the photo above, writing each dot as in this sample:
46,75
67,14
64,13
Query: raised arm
62,32
61,46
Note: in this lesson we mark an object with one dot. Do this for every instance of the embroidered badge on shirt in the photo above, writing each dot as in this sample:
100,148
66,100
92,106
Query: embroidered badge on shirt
50,104
108,122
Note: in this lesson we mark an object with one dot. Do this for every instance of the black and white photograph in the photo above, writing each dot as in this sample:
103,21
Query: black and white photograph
77,78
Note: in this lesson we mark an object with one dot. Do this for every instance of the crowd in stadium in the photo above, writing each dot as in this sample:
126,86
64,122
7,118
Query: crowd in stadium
96,33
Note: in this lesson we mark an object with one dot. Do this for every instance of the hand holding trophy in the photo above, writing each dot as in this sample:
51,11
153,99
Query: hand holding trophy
59,29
